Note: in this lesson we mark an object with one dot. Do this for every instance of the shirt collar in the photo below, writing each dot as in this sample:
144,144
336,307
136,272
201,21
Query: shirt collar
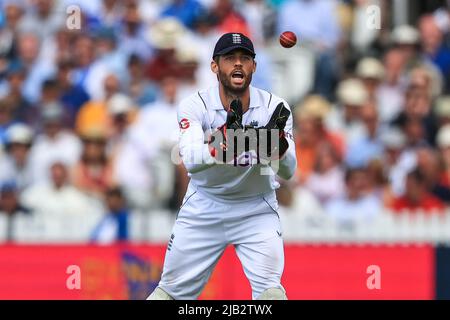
255,101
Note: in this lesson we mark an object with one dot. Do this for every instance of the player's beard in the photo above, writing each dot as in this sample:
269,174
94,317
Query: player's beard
231,90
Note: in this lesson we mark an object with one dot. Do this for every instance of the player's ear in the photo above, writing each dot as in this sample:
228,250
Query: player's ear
254,66
214,67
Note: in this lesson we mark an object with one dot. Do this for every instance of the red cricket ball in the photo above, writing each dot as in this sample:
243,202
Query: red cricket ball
288,39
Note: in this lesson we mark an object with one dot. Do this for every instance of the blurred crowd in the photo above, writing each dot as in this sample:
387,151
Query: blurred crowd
88,115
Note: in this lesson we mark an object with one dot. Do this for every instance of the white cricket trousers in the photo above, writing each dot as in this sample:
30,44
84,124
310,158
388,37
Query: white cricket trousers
203,229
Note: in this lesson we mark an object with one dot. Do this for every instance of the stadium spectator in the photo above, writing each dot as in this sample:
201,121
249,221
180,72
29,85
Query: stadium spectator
88,73
138,87
433,47
390,95
326,182
93,173
6,119
44,18
94,113
144,167
10,207
114,225
296,203
310,132
15,165
429,165
71,96
371,72
228,18
318,24
416,196
345,118
358,203
21,108
368,146
186,11
36,70
122,113
443,143
61,197
54,143
165,36
131,35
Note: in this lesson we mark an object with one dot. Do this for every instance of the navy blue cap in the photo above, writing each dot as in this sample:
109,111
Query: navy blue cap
232,41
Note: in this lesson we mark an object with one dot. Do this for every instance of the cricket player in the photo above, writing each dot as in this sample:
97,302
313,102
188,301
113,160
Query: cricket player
231,197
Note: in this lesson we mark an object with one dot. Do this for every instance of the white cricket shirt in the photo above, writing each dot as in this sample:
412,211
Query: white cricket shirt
201,114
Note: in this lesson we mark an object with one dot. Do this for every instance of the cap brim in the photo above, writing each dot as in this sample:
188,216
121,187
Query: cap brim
229,49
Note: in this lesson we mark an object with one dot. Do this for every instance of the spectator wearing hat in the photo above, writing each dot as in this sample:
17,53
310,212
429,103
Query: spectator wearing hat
165,35
15,166
93,173
10,207
406,38
417,197
310,132
397,161
346,117
441,110
122,113
54,143
371,72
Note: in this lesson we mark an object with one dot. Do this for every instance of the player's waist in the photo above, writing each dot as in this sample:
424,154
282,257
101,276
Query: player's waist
219,194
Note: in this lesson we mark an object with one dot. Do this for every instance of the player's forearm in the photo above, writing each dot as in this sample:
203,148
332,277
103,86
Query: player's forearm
197,158
193,151
288,163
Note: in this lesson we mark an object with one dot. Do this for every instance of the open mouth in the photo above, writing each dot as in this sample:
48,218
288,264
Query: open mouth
238,77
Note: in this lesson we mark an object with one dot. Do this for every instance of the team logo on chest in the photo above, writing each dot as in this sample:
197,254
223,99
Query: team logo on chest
254,123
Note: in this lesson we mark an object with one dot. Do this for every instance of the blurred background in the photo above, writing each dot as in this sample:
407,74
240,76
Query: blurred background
88,134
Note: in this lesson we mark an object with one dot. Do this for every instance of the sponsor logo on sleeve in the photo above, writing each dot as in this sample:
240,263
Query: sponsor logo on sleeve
184,124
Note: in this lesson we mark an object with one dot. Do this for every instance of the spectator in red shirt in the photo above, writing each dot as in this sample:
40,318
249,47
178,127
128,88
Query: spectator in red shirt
417,197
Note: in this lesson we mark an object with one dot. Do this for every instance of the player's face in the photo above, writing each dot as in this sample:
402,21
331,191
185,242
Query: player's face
235,70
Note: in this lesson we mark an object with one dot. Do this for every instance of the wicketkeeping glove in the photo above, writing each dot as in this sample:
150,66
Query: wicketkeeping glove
218,142
277,122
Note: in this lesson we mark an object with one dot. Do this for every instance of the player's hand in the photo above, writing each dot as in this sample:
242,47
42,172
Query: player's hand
219,142
234,115
274,129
